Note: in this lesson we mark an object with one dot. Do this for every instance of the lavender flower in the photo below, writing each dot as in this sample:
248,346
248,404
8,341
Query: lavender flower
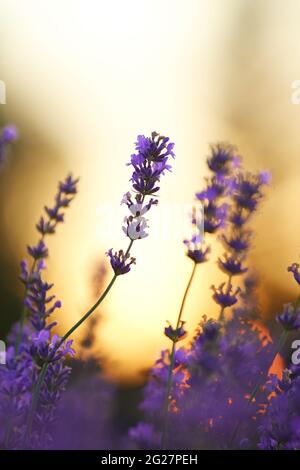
231,266
34,345
176,334
222,159
279,426
222,162
210,389
225,298
67,189
120,262
289,318
197,251
8,134
149,163
246,191
40,251
294,268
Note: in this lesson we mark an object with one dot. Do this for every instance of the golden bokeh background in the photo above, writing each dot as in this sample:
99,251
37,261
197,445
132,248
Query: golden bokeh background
83,78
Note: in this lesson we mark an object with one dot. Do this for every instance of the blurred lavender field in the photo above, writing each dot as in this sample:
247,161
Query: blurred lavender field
226,389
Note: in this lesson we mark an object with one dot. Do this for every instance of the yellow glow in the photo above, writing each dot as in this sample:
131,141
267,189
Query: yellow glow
87,77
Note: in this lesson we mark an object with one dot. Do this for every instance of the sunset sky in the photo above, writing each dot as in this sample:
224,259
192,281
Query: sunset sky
84,78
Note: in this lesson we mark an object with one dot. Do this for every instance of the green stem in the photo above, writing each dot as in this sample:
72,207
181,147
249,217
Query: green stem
168,395
186,294
37,388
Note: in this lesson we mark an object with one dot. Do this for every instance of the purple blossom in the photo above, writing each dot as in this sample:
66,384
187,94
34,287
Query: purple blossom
294,268
231,265
212,381
150,162
279,426
237,243
222,159
39,251
289,318
176,334
120,262
248,190
197,254
8,134
226,297
67,189
32,344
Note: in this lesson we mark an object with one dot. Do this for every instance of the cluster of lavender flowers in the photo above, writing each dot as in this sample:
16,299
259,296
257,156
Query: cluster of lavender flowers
149,163
280,425
218,390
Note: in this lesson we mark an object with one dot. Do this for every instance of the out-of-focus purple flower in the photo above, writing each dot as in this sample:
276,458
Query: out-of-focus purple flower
29,276
294,268
120,262
67,189
237,243
68,186
176,334
196,250
231,265
225,296
92,426
279,425
34,345
212,383
39,251
248,189
221,164
289,318
145,435
223,157
8,134
39,303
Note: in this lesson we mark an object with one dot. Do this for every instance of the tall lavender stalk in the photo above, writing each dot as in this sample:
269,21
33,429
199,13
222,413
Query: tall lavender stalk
149,164
47,225
221,163
246,193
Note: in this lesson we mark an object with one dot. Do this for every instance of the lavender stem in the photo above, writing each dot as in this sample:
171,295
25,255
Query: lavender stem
172,361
